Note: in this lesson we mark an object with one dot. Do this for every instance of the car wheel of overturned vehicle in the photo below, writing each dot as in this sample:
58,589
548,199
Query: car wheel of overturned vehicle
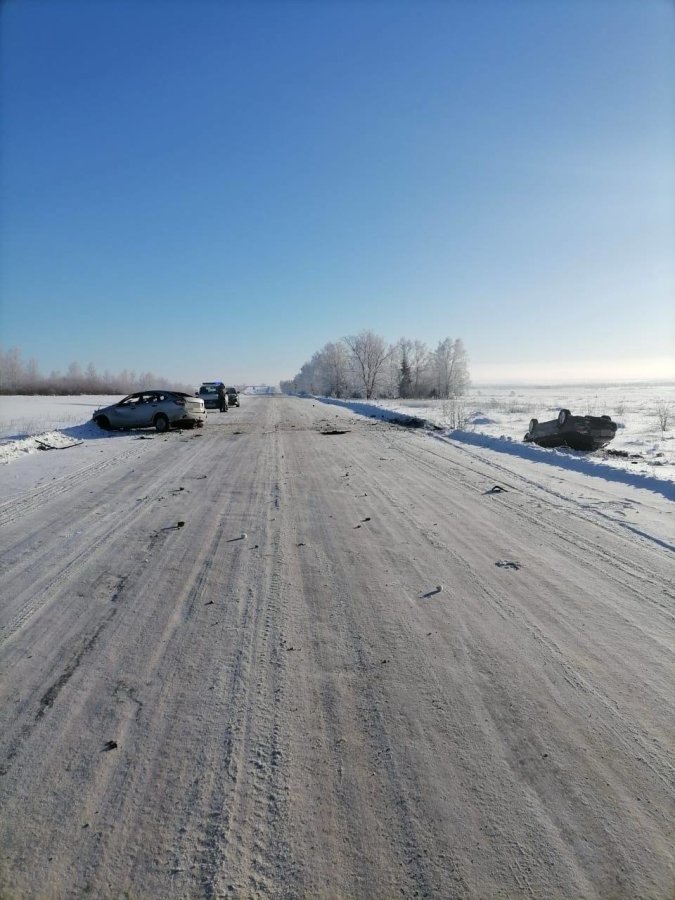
562,416
161,423
533,424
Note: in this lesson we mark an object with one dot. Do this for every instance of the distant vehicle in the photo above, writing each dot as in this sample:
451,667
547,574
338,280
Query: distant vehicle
577,432
148,409
209,394
233,397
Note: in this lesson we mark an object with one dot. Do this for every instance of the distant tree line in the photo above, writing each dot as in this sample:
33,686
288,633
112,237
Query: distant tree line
19,377
364,365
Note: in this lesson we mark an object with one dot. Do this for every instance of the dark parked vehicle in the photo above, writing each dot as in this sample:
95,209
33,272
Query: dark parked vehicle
233,397
577,432
209,394
148,409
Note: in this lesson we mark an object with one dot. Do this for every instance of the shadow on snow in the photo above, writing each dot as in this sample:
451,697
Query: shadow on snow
563,458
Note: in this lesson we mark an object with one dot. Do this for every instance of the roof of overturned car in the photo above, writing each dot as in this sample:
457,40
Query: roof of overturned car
576,432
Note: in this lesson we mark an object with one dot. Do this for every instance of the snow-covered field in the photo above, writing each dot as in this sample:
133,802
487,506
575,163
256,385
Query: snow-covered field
496,418
27,424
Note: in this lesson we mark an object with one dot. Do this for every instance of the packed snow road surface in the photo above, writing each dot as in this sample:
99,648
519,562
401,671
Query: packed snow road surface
358,669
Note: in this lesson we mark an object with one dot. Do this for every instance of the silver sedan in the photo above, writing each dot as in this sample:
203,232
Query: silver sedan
147,409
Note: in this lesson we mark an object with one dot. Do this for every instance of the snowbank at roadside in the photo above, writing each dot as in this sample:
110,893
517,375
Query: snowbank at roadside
48,440
30,425
640,455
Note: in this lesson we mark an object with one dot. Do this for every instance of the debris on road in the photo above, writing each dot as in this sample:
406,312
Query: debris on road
43,446
411,422
244,768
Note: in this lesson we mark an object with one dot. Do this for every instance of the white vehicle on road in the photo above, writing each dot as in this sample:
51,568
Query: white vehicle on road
152,409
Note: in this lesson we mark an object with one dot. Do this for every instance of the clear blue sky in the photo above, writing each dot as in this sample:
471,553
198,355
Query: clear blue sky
217,189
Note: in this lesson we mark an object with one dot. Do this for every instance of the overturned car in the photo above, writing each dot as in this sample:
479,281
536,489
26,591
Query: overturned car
577,432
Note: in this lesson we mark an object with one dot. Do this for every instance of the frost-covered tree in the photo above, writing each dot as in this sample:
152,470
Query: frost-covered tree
17,377
364,366
403,370
369,353
400,375
74,380
405,381
91,378
418,355
334,362
309,378
11,369
663,414
32,376
391,371
450,365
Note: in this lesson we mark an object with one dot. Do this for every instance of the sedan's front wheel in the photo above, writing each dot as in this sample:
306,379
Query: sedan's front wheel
161,423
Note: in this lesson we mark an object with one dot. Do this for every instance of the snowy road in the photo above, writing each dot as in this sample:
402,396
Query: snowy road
355,671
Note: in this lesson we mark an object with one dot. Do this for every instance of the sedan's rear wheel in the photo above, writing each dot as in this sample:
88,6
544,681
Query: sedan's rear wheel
533,425
161,423
562,416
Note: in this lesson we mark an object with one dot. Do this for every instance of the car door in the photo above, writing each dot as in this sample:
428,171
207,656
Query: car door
122,414
131,412
160,402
